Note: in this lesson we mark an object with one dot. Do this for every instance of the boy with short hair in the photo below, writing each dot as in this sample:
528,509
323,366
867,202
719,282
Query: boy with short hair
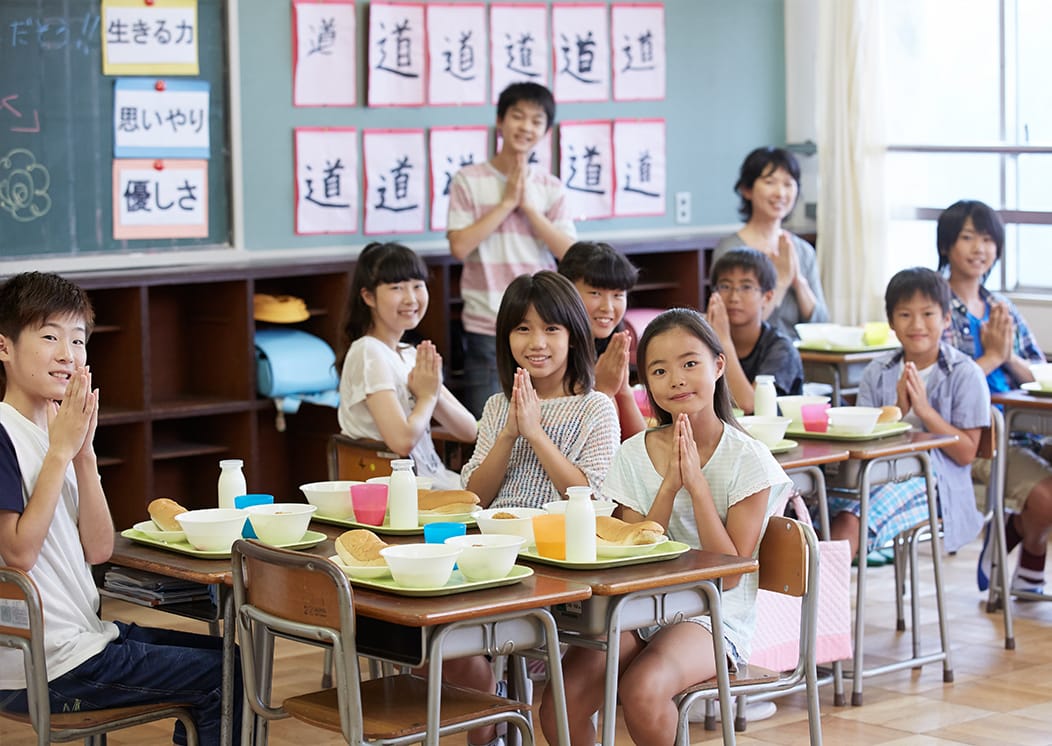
743,281
55,523
939,390
505,219
603,278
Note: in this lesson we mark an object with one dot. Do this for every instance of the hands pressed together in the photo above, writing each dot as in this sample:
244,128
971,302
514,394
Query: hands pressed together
997,334
72,422
524,409
786,261
611,369
684,465
912,393
716,315
425,379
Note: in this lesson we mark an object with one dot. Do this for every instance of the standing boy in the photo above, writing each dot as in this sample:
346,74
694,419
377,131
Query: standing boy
744,280
939,390
55,523
505,219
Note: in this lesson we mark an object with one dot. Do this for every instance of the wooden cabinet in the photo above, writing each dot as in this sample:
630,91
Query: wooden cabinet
173,355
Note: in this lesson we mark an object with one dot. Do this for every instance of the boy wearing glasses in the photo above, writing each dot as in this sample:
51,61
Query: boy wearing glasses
744,281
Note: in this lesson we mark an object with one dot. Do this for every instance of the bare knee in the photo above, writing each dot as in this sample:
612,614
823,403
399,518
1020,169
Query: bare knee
845,526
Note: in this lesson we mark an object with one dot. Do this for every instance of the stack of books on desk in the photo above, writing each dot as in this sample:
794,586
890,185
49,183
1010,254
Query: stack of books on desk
141,587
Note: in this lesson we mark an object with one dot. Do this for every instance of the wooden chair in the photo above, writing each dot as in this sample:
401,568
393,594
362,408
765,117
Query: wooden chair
789,565
308,599
26,633
358,460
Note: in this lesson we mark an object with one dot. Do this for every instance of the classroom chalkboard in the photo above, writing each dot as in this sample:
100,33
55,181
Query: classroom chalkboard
56,131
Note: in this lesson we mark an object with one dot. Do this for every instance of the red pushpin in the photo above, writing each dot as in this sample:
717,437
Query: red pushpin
148,2
159,85
158,165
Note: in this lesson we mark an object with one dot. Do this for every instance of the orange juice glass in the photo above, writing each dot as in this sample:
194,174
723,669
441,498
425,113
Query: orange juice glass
549,532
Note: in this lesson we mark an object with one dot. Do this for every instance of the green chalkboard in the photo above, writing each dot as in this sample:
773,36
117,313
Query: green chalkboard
56,131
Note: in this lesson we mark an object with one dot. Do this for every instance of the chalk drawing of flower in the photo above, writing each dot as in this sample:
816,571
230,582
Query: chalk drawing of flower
23,186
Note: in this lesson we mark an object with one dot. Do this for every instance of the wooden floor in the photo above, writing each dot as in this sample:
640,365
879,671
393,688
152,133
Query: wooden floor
997,696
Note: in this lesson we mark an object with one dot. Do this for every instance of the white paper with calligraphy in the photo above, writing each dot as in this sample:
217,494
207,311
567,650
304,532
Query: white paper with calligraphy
587,168
639,153
540,156
580,53
457,49
397,54
394,180
518,36
160,199
452,148
160,118
327,198
639,53
323,39
159,38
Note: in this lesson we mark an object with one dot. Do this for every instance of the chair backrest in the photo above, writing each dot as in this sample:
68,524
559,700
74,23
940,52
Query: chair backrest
784,557
988,435
23,629
303,597
354,459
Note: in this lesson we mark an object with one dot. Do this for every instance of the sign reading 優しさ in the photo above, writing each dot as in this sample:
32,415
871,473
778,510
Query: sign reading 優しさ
160,198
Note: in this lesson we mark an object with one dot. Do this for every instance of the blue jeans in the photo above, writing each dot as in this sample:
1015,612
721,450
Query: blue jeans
144,665
480,371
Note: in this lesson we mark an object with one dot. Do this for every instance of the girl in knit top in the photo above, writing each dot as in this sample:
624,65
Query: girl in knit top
549,429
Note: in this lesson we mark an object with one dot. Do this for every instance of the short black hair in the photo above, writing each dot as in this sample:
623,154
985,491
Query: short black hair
759,162
747,260
909,282
377,264
533,93
556,301
951,222
598,264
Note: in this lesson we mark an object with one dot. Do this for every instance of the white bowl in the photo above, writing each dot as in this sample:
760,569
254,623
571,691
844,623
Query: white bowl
280,523
486,556
853,420
846,336
213,529
421,565
768,430
422,483
790,405
157,533
814,332
601,507
521,525
333,499
1042,373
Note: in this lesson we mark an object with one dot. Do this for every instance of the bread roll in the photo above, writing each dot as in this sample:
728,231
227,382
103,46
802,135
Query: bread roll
360,548
163,512
447,501
615,531
889,414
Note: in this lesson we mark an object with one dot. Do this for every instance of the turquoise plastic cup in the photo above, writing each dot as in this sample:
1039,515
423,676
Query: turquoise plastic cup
245,501
438,532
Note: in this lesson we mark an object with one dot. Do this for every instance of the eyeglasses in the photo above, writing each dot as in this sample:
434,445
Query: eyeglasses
725,288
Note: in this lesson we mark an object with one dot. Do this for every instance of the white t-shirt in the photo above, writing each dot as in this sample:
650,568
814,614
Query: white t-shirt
372,366
740,466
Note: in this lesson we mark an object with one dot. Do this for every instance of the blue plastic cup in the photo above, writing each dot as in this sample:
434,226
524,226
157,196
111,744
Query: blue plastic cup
438,532
245,501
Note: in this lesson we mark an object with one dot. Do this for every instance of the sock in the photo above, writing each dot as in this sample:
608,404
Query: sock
1012,535
1030,572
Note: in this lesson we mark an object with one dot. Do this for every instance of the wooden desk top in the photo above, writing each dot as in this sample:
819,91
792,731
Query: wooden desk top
128,553
910,442
813,453
691,566
1023,400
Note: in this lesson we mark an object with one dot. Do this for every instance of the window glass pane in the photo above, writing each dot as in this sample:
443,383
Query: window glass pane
940,179
911,243
1035,188
943,65
1035,105
1034,269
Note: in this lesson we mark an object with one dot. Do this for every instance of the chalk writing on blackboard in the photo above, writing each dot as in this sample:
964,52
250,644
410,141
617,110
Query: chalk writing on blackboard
54,33
10,116
24,186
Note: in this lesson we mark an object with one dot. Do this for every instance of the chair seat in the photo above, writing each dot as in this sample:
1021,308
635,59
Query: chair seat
395,706
746,676
90,719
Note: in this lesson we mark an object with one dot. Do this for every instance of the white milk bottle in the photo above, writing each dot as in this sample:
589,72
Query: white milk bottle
765,398
401,495
231,481
580,525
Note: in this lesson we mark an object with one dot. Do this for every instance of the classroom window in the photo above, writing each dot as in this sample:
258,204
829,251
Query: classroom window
969,116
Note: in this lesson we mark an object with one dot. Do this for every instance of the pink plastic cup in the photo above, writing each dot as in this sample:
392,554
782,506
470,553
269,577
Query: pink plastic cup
369,502
814,417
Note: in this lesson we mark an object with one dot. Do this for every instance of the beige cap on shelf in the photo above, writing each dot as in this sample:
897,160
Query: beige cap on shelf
279,309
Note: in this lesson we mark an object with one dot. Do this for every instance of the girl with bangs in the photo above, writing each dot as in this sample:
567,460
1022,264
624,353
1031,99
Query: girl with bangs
549,429
390,390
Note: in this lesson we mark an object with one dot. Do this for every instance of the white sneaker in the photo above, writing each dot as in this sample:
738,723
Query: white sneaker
754,711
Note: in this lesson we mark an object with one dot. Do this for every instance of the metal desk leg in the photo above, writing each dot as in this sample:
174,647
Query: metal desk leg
936,561
860,588
226,600
999,576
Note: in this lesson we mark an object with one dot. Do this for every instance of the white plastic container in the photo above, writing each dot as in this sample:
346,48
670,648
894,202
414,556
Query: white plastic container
765,398
580,525
231,481
401,495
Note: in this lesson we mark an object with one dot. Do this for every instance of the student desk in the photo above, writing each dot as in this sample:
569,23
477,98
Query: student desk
841,370
887,460
803,465
635,596
1033,414
405,630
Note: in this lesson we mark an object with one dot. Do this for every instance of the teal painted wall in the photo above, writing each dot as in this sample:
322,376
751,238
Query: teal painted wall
725,96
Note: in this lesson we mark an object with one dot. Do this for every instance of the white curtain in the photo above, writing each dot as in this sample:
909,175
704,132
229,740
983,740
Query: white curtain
852,212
